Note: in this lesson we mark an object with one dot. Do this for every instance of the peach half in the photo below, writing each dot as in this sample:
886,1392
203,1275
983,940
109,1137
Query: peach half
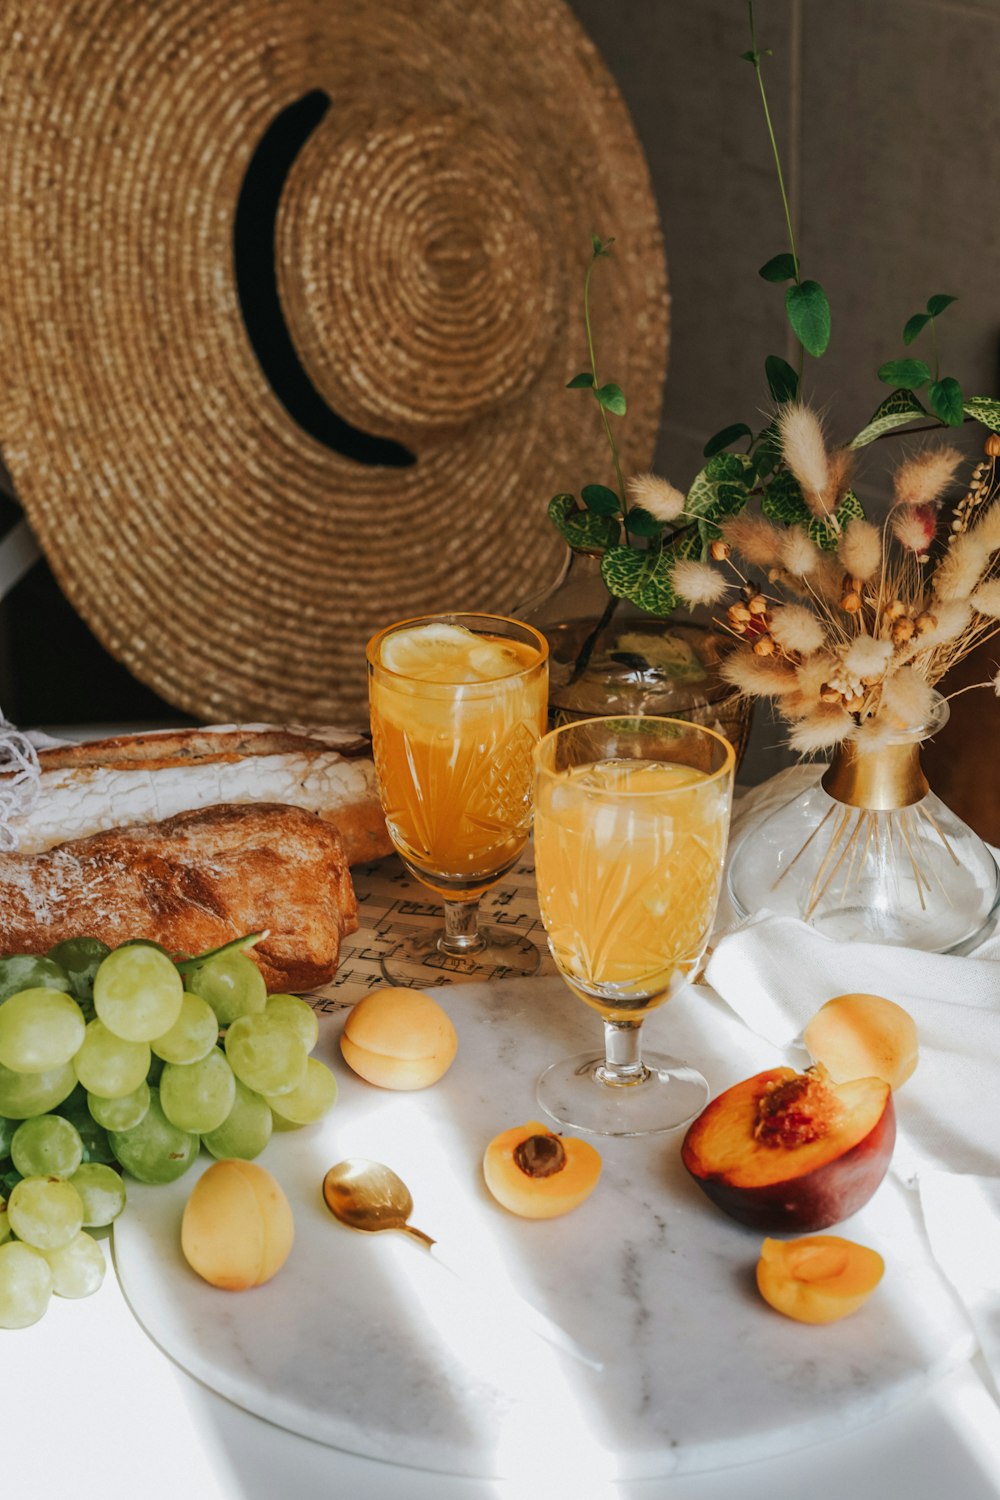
237,1229
817,1279
863,1036
792,1151
399,1039
539,1175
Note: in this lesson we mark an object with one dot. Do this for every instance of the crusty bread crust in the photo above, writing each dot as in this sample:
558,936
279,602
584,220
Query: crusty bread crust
192,882
144,778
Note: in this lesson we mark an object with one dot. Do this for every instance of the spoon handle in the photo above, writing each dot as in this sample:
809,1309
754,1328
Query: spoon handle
520,1310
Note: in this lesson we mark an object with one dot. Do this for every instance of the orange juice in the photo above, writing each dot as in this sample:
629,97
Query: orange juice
456,715
628,858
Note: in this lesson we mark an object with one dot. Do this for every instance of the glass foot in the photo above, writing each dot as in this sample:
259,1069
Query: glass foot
667,1096
424,961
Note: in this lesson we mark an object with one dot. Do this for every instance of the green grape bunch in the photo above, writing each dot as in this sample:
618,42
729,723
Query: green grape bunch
125,1062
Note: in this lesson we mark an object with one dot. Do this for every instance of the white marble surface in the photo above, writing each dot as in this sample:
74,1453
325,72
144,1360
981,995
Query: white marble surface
367,1346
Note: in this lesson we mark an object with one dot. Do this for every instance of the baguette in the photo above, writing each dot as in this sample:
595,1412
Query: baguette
193,882
144,778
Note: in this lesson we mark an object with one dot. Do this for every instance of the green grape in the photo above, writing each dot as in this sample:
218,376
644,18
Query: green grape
23,971
102,1193
198,1096
78,1268
93,1135
121,1113
193,1034
4,1221
25,1285
297,1014
39,1030
108,1065
46,1146
280,1125
231,983
154,1150
310,1101
45,1212
246,1129
7,1128
80,958
137,993
265,1054
26,1094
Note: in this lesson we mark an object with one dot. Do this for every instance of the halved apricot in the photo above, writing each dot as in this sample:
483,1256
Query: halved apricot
792,1151
537,1174
817,1279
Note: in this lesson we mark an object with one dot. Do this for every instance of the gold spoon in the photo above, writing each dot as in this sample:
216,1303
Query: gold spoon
369,1197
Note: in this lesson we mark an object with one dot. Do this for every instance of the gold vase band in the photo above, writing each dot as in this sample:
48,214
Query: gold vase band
881,780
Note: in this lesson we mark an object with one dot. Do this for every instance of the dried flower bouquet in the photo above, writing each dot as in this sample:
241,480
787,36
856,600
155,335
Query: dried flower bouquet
849,634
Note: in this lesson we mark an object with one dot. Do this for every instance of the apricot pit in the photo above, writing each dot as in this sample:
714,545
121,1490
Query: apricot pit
817,1279
537,1174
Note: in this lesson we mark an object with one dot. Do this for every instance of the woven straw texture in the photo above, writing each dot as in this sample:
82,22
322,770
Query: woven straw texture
431,238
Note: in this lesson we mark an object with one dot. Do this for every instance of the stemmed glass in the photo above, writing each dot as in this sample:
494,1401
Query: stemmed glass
631,823
458,703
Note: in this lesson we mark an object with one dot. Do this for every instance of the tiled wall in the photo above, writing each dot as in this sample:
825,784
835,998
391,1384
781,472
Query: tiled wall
888,119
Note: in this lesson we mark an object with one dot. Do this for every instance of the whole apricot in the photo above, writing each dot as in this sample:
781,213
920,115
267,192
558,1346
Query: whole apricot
237,1229
817,1279
863,1036
399,1039
537,1174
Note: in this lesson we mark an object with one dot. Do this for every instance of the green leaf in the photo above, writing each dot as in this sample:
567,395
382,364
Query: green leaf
612,398
945,400
985,409
722,488
726,437
936,305
582,529
779,268
782,381
640,523
581,382
915,325
897,410
644,577
785,505
600,499
908,374
809,314
597,244
691,542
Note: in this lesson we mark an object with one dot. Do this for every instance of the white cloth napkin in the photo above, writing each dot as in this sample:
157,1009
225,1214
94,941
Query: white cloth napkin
775,972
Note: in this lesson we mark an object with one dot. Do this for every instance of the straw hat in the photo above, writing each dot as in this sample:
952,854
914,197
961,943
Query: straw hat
213,452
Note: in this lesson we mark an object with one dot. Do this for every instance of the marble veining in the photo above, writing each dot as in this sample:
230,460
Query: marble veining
365,1344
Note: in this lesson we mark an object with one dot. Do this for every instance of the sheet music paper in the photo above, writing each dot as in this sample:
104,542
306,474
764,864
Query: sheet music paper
392,905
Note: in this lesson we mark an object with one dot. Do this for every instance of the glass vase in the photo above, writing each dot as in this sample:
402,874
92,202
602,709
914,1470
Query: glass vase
870,854
607,656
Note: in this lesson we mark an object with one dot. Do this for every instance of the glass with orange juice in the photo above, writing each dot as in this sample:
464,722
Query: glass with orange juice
458,703
631,824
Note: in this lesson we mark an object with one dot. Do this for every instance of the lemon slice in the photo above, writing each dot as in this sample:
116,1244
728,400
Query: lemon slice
447,653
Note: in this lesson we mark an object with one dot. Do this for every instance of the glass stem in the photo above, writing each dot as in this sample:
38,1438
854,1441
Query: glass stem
623,1066
461,936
